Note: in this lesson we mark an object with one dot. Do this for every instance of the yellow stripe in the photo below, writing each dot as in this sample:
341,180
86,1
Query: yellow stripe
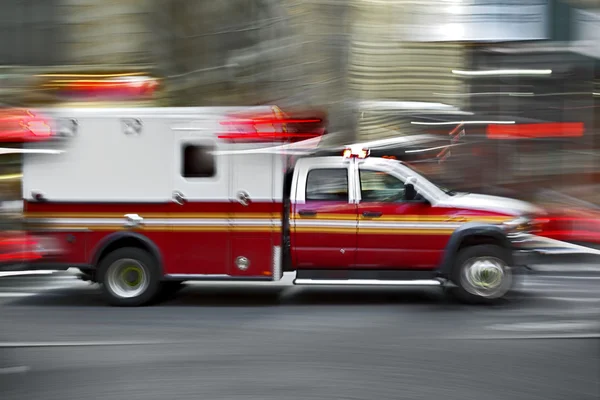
311,229
113,228
334,217
375,231
156,215
405,231
408,218
272,229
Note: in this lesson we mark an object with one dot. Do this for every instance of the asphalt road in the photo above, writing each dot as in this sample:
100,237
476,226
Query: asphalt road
239,341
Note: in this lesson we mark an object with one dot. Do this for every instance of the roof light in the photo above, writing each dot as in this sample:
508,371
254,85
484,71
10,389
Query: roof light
278,127
356,153
115,85
20,125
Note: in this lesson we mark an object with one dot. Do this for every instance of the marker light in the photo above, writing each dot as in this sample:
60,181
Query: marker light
356,153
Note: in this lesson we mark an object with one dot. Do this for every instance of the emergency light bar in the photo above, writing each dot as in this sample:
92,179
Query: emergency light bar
134,85
273,127
356,153
19,125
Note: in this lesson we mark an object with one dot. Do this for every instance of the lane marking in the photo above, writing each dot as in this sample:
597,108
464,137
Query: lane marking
14,370
16,294
528,336
85,344
545,326
572,299
566,268
567,277
570,293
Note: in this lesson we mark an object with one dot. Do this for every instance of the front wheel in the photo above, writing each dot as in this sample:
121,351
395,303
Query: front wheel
482,274
130,277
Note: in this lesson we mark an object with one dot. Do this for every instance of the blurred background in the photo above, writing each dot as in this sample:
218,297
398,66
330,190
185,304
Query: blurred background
522,77
361,61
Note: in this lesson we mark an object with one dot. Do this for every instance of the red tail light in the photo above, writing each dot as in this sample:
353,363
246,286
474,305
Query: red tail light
19,249
18,125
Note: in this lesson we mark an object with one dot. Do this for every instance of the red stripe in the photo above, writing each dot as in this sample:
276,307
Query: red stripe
529,131
190,207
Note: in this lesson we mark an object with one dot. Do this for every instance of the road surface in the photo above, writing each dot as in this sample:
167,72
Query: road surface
239,341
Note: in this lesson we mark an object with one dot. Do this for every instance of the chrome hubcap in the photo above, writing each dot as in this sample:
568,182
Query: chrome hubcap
487,277
127,278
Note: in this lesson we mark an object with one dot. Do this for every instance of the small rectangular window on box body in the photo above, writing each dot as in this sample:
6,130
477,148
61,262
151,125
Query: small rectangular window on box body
198,161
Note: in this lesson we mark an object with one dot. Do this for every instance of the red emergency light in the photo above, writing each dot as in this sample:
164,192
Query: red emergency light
276,127
356,153
117,85
535,131
19,125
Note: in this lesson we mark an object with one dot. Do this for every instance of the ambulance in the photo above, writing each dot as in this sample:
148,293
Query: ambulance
143,199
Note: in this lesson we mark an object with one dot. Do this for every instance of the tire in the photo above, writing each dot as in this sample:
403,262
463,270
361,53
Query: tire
130,277
482,274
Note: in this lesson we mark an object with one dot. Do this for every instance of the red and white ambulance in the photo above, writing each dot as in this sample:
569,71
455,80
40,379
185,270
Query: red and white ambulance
144,199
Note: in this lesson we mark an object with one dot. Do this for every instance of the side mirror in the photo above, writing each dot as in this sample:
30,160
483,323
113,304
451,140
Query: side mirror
410,194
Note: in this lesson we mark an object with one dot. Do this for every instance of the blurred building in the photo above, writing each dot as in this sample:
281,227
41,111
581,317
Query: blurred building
399,52
326,54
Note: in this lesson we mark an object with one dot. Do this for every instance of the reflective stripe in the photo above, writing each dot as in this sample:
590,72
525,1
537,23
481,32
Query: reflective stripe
326,223
155,222
376,225
249,224
417,225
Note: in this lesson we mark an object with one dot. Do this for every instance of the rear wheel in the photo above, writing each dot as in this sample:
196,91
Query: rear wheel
482,274
130,277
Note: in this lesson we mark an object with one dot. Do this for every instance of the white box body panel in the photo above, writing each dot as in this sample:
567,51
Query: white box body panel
102,163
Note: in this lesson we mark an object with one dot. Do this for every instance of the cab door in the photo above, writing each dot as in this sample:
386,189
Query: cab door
390,231
324,217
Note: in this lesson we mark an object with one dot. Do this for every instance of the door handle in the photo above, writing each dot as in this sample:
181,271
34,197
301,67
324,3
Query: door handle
133,220
243,197
178,198
307,213
372,214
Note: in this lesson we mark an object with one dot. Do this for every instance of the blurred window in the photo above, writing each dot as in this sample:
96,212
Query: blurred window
198,162
380,187
327,185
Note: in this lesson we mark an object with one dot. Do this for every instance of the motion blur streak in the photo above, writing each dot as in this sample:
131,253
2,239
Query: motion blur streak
146,142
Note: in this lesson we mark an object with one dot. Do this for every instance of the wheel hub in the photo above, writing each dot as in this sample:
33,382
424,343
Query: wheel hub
132,276
487,277
127,278
486,274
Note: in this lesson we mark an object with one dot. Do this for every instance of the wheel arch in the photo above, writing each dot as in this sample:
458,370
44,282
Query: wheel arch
119,240
472,234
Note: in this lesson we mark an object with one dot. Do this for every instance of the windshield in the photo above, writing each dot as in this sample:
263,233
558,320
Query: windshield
422,177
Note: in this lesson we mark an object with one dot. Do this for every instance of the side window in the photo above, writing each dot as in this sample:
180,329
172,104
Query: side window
197,161
327,185
378,186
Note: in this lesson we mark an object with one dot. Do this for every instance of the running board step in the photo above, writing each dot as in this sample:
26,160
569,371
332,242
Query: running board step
368,282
